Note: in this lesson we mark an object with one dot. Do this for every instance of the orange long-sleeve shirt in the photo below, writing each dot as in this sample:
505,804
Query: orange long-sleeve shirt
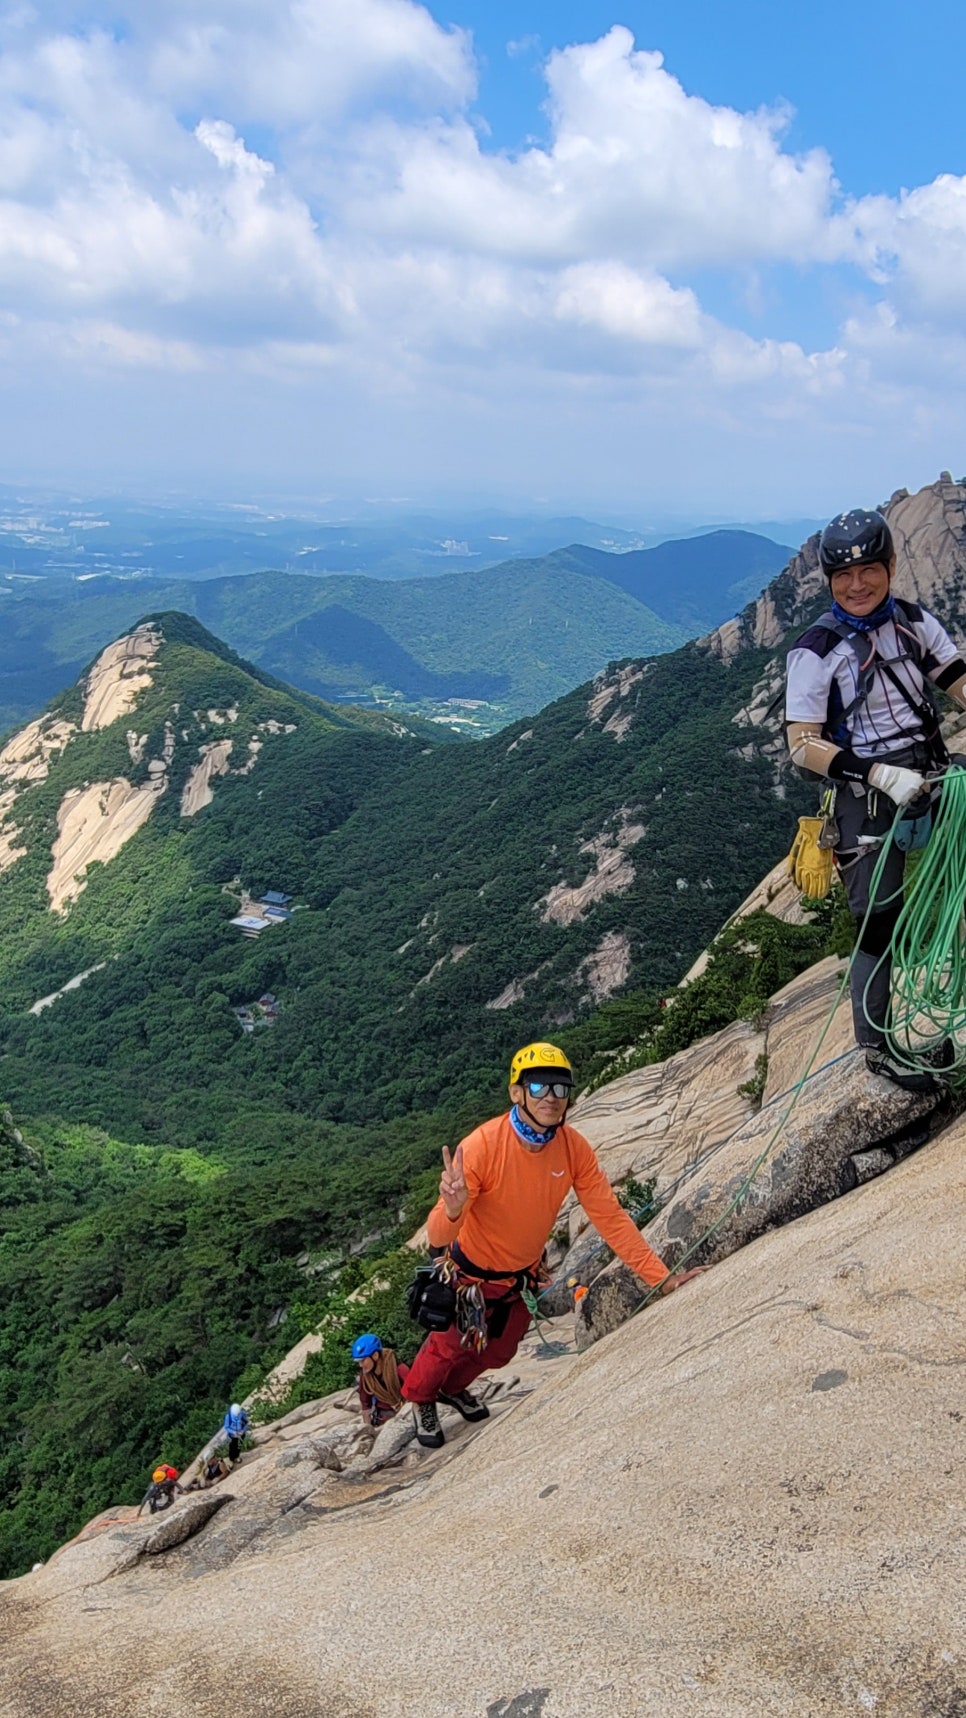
514,1196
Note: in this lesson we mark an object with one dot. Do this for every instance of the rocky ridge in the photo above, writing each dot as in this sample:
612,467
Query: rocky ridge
929,530
808,1556
96,820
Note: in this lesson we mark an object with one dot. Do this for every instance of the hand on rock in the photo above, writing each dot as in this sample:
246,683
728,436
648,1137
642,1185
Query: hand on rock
676,1278
452,1184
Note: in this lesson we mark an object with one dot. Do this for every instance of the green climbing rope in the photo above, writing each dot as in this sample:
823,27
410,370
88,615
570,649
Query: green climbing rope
928,952
929,944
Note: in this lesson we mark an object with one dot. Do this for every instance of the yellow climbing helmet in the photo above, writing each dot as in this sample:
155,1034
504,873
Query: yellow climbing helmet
534,1056
159,1474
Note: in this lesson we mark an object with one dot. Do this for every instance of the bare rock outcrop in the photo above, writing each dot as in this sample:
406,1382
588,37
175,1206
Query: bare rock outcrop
742,1503
120,673
26,756
24,761
846,1126
656,1121
929,529
660,1123
213,762
613,874
93,824
607,967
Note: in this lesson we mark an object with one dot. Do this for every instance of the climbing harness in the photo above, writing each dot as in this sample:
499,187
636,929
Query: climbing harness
868,661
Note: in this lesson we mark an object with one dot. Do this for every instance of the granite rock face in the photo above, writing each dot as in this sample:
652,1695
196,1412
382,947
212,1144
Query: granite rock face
846,1127
185,1518
745,1503
658,1123
929,529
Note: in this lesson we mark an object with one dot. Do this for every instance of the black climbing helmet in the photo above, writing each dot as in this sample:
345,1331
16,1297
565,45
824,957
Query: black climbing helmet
854,540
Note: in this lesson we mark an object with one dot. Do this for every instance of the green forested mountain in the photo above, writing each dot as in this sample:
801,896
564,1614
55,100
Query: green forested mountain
449,900
693,582
515,636
437,921
449,903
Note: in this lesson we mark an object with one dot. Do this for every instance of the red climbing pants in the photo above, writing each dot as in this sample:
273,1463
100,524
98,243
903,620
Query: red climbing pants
442,1364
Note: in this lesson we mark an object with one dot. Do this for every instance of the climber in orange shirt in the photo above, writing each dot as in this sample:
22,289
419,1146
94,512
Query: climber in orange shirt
499,1196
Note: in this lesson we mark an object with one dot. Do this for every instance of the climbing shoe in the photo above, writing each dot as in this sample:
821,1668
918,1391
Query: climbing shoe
466,1405
429,1432
940,1056
909,1079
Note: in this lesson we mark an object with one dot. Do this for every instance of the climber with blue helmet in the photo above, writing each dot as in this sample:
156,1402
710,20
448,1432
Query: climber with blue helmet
380,1378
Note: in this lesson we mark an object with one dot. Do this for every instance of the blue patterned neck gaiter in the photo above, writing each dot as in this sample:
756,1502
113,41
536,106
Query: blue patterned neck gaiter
866,622
528,1133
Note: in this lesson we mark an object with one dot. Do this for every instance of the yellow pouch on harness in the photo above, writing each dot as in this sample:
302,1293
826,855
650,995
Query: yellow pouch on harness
809,864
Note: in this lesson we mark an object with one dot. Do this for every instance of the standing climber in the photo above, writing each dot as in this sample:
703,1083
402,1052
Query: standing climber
235,1428
499,1196
380,1378
861,713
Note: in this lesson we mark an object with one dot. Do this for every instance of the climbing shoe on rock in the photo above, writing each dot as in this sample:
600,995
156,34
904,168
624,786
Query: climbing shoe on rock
909,1079
466,1405
429,1432
940,1056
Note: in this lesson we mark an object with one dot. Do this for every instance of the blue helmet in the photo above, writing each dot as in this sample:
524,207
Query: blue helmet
363,1346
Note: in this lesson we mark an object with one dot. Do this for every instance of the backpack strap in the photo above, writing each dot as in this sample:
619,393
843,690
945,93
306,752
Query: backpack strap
925,709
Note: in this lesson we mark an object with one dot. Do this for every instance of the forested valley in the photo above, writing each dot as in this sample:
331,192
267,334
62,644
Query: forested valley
181,1199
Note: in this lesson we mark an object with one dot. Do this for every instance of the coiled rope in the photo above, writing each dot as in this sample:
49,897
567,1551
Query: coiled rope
929,942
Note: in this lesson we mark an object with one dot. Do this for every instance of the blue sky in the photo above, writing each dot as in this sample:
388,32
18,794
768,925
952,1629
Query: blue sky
657,261
879,86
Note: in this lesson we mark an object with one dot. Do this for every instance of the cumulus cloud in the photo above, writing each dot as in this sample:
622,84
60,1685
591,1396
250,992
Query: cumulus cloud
916,243
637,169
310,60
304,188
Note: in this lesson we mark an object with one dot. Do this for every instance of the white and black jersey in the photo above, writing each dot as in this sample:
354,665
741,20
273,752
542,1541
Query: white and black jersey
824,674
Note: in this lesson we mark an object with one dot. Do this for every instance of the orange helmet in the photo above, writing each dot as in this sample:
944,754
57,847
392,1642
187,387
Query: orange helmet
159,1474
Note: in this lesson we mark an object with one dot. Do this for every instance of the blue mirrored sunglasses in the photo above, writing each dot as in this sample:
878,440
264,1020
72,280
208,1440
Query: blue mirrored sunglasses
548,1088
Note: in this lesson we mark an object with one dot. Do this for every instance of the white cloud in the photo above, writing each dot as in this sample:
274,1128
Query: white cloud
637,169
629,306
299,189
302,61
916,243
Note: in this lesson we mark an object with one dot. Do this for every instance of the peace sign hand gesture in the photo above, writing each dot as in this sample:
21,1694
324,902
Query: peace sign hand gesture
452,1184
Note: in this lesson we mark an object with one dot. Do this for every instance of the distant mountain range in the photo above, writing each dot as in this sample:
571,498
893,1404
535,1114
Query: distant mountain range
274,1086
693,582
53,536
514,636
455,898
45,534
